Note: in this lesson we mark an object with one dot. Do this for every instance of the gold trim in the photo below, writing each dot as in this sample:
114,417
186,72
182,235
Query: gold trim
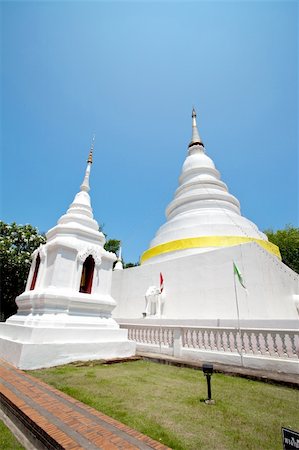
207,241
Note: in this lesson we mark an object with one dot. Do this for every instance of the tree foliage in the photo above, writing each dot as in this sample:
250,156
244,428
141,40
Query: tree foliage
112,245
17,243
288,242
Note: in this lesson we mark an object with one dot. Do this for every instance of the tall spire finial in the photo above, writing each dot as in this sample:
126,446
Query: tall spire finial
85,185
89,161
196,140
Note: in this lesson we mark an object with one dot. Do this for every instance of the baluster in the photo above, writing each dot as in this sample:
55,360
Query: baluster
188,337
295,352
183,338
168,336
243,336
172,337
140,333
267,349
275,346
186,334
163,336
158,336
225,341
155,336
193,338
218,340
234,347
258,343
284,345
197,338
150,336
212,340
250,344
205,340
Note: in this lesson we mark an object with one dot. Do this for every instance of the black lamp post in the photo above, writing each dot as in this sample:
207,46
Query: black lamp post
208,372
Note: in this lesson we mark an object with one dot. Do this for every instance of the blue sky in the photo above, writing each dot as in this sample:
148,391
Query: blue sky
131,72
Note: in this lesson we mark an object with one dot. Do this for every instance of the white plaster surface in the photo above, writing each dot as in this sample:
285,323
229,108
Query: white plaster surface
202,206
200,287
56,323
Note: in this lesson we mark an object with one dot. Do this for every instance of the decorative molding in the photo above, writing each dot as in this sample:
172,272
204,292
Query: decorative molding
83,254
207,241
41,250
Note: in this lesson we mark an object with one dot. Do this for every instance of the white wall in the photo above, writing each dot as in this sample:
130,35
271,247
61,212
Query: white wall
201,287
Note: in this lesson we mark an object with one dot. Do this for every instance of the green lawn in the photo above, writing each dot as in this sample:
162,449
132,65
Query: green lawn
7,439
165,402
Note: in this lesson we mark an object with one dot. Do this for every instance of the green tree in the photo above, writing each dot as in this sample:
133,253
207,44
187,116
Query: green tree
128,265
112,245
288,242
17,243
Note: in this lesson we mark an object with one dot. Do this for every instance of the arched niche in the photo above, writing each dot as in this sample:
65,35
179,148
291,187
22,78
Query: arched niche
36,269
87,275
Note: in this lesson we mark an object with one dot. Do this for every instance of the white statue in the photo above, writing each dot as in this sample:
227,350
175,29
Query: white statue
154,296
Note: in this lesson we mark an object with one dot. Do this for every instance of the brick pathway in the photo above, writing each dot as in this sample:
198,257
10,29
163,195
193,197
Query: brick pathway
61,422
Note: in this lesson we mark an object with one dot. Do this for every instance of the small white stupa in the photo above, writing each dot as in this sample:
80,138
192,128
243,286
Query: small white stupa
203,215
64,314
119,264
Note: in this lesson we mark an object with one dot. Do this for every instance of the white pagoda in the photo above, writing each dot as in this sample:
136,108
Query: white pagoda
64,314
203,241
203,215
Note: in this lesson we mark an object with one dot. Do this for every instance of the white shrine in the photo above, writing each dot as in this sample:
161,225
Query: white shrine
204,238
64,315
210,286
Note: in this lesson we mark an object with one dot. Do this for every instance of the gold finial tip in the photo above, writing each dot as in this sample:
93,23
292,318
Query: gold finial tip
90,157
91,149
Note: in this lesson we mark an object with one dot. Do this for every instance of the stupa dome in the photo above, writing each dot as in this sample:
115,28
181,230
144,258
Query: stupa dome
203,215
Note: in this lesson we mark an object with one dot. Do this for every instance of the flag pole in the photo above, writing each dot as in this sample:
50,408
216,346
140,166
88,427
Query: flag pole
238,313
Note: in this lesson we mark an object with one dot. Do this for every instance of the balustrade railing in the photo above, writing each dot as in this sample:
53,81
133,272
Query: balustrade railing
282,344
161,336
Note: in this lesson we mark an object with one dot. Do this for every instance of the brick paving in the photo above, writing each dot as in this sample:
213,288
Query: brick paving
62,422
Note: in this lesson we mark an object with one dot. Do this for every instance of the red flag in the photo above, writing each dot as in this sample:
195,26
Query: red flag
161,282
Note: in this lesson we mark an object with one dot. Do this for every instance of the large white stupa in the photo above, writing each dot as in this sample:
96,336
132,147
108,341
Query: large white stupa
64,314
203,215
197,250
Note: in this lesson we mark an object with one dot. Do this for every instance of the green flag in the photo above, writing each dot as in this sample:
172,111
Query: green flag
239,275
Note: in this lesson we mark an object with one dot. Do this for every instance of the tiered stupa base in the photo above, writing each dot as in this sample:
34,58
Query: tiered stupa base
43,345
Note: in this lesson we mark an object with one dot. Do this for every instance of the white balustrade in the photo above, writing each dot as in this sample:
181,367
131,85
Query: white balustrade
266,343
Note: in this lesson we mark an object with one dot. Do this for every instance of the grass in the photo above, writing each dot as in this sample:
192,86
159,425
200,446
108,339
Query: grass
7,439
166,403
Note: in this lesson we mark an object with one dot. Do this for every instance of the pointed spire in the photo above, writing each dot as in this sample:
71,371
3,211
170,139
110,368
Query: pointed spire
89,161
119,264
85,185
196,140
